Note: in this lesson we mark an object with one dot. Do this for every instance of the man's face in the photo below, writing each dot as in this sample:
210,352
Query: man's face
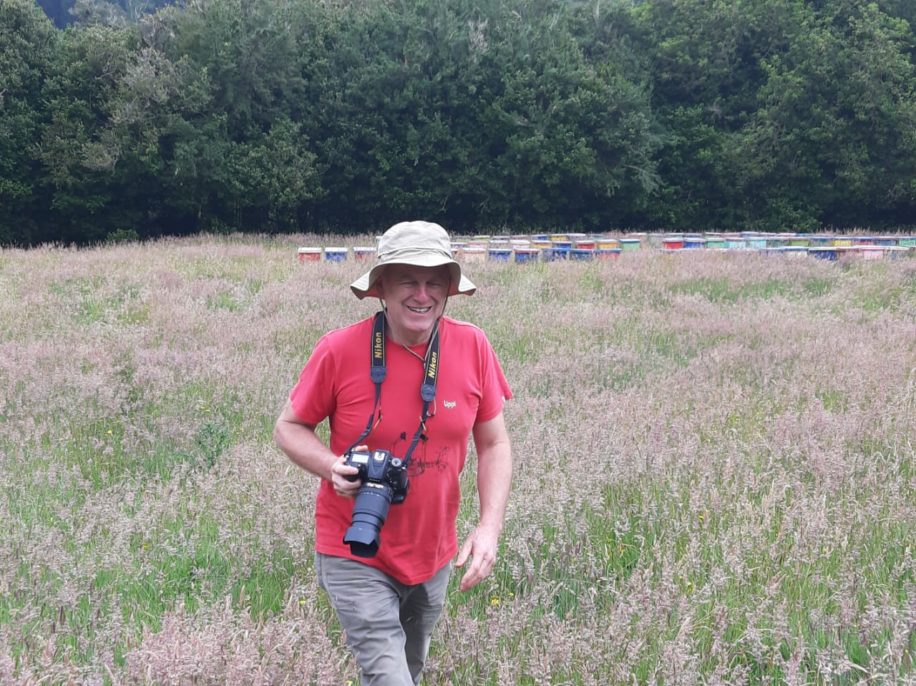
415,298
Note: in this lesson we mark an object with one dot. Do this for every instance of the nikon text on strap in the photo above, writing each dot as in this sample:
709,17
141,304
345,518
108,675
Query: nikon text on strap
378,371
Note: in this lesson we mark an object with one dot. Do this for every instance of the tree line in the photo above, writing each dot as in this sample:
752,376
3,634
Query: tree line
66,12
348,115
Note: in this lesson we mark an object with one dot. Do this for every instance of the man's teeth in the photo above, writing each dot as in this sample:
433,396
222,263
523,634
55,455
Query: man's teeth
420,310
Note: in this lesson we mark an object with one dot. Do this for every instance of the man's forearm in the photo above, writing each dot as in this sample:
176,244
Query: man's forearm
303,447
494,477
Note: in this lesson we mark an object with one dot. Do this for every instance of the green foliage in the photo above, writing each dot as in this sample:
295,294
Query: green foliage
344,117
573,133
783,116
27,42
77,155
833,137
122,236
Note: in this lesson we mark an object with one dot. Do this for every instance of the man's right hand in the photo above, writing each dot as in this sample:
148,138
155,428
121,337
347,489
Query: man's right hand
341,475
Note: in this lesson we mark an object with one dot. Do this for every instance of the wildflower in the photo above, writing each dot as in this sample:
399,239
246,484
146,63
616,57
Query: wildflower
494,601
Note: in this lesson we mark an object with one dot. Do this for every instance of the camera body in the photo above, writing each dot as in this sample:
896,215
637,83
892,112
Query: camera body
381,467
384,481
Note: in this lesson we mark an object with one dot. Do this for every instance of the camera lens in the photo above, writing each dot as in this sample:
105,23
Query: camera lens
369,513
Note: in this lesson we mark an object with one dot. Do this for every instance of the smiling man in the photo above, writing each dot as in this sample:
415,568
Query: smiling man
403,391
415,299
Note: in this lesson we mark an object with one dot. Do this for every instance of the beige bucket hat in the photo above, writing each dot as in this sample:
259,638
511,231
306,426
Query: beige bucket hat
422,244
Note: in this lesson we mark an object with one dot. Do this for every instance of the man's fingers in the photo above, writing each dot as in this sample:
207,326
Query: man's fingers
479,569
472,577
343,478
465,552
341,467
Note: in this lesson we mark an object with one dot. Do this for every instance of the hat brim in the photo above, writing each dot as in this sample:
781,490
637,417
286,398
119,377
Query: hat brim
366,286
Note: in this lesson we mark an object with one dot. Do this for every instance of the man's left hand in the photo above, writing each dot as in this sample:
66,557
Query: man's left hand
481,548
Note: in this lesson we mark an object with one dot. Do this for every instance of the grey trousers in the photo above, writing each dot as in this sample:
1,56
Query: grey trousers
388,624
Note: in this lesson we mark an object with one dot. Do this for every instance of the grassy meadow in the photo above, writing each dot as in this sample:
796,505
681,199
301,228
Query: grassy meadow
714,470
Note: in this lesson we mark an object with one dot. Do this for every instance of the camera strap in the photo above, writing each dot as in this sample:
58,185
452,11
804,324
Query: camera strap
378,371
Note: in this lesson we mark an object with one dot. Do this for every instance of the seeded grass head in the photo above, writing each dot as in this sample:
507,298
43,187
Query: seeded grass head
417,243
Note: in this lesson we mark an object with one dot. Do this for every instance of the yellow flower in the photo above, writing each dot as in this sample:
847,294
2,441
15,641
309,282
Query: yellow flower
494,601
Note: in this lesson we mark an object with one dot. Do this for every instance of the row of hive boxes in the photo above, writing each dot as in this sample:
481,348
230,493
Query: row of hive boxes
759,241
544,249
500,251
747,240
574,247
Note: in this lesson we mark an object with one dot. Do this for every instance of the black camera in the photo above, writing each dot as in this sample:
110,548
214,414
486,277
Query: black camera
384,481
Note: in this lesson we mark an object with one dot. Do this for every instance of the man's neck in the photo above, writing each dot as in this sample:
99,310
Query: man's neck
409,338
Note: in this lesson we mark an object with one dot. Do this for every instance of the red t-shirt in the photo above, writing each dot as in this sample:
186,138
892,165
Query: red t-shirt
418,537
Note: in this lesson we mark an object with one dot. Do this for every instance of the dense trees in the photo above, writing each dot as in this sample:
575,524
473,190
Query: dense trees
65,12
784,115
298,114
27,43
832,138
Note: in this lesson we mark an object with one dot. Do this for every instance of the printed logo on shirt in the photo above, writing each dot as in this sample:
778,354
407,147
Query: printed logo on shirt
422,463
449,404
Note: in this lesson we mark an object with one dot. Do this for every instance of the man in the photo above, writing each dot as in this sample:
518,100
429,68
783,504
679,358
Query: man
389,598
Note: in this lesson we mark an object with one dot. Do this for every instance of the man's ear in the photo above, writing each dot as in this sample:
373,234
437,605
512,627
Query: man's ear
380,285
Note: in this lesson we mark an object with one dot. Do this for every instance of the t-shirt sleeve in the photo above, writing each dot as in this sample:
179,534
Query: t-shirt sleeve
313,396
494,387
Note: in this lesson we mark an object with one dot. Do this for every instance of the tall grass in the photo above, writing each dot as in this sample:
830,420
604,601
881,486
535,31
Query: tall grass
714,482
